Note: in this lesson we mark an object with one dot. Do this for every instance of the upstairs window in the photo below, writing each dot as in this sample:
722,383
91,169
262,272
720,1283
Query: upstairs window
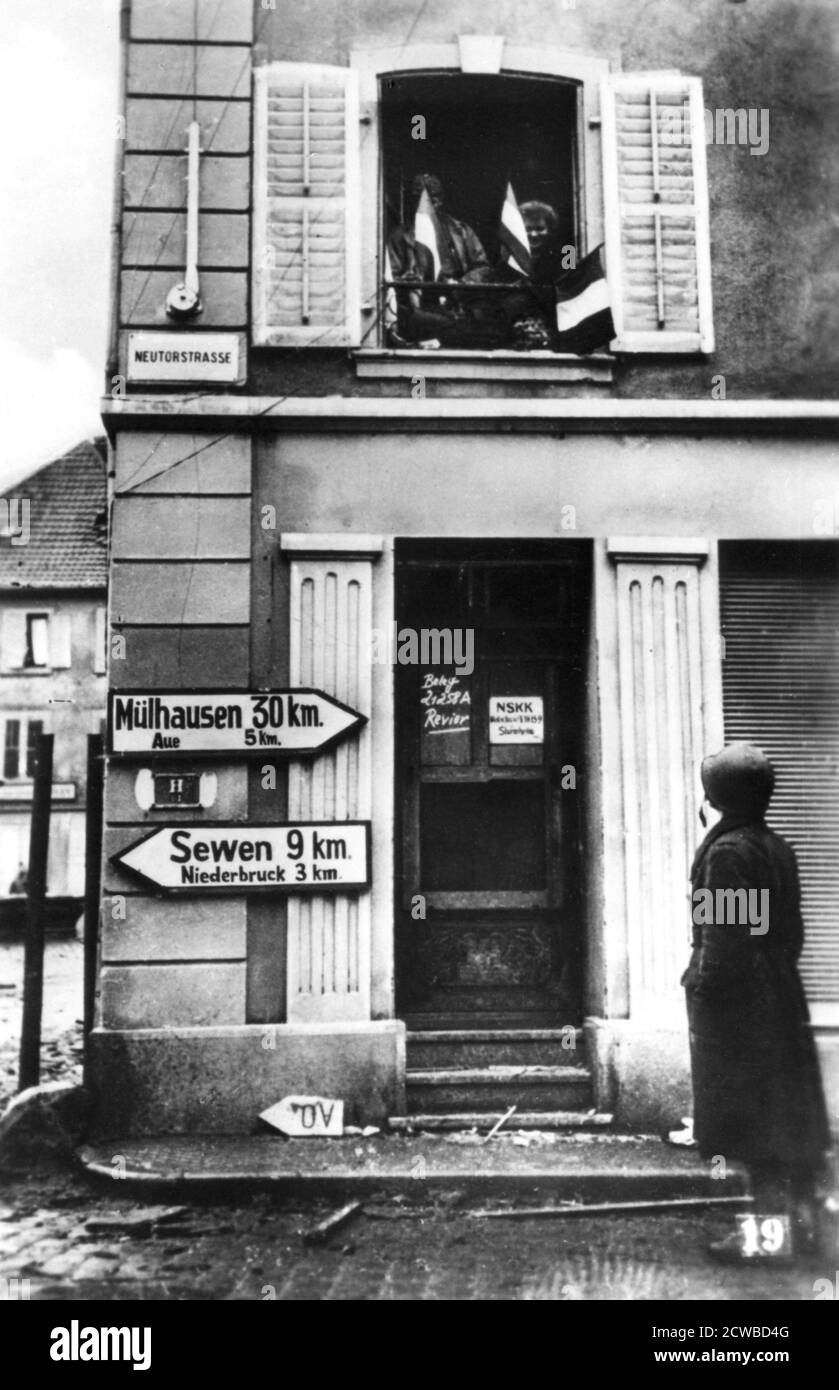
34,641
496,156
333,186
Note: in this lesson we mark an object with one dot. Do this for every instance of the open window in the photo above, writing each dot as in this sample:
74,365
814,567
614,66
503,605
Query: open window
618,158
34,641
497,143
37,640
479,133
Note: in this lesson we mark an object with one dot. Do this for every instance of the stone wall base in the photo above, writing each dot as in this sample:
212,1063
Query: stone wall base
827,1046
218,1080
640,1073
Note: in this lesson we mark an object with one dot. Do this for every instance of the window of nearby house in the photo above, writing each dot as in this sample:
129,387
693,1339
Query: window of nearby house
11,750
19,743
618,158
37,640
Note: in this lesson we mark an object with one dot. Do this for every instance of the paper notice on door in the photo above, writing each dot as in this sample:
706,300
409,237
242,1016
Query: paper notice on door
516,719
446,702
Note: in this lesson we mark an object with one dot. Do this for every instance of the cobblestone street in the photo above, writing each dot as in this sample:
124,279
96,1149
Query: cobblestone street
71,1240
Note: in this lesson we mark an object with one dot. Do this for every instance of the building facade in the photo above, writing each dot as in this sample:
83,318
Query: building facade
549,582
53,584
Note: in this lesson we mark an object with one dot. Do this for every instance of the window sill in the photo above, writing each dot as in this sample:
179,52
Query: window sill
450,365
27,670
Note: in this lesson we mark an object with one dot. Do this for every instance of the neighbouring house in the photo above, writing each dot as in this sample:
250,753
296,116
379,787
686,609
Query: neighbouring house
550,580
53,587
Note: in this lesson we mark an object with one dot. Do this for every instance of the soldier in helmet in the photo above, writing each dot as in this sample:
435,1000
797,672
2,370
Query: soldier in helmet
756,1084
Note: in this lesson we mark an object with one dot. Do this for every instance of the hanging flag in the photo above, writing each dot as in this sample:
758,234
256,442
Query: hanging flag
583,310
515,248
389,308
427,230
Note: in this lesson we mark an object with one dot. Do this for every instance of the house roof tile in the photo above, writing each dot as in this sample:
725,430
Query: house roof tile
67,545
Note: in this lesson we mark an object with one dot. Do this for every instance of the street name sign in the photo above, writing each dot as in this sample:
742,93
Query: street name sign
291,857
201,723
186,357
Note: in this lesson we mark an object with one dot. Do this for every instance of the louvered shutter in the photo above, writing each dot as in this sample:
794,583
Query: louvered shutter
658,258
13,639
307,247
780,621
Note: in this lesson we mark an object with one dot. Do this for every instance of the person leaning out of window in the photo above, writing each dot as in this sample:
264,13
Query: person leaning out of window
431,314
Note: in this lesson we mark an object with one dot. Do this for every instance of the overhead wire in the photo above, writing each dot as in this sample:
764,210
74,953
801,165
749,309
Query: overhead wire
166,149
312,343
206,149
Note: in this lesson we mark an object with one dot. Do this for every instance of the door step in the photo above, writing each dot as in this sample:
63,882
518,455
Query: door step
533,1088
475,1047
484,1120
469,1022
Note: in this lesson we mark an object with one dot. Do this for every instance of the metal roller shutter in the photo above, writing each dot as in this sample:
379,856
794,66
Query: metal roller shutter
780,622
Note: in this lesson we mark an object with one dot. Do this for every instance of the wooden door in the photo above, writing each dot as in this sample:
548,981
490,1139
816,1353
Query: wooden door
489,777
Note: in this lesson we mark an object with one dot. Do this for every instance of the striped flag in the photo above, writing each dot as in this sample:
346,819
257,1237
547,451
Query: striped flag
427,230
583,311
515,248
389,308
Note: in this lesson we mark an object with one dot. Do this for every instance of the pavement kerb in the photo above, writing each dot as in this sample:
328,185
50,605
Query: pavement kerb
621,1168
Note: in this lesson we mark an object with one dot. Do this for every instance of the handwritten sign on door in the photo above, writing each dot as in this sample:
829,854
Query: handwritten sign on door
445,718
446,703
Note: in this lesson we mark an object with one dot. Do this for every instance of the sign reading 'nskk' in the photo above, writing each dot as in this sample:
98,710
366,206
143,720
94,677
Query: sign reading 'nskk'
291,857
290,723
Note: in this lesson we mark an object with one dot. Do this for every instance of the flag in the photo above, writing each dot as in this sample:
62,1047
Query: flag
389,308
512,234
583,311
427,230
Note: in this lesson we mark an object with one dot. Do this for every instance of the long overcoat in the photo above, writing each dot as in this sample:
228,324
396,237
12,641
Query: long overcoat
756,1083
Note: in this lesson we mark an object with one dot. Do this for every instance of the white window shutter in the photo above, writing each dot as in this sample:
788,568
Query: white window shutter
307,213
60,651
13,639
658,251
100,651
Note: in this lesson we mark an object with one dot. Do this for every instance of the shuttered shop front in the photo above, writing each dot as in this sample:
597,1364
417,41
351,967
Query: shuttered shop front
780,622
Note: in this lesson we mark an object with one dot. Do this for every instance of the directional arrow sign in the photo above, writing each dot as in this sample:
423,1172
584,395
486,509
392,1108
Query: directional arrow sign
294,857
198,723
